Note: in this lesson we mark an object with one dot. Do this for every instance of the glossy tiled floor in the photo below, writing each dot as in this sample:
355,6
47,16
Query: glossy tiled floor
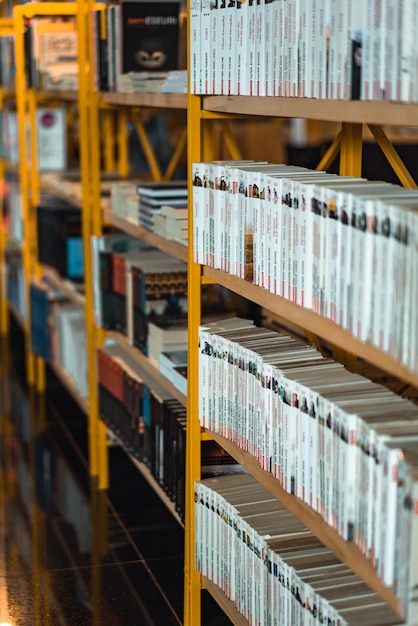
70,554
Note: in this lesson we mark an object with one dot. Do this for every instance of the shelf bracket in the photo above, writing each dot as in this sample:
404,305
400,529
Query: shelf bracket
175,159
392,156
230,142
330,154
148,150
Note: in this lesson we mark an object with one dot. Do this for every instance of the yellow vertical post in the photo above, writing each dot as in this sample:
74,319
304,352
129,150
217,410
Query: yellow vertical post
192,582
22,109
351,149
108,139
32,232
122,142
91,225
148,149
351,152
4,314
6,29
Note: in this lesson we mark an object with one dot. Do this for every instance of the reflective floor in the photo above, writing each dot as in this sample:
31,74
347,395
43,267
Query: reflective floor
70,554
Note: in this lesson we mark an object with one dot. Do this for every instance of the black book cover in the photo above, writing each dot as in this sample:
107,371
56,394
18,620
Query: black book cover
150,36
108,299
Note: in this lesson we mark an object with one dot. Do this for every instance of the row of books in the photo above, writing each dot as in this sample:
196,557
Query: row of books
341,246
60,242
150,423
58,332
334,439
128,38
323,49
139,287
12,214
7,63
271,566
16,284
51,133
131,36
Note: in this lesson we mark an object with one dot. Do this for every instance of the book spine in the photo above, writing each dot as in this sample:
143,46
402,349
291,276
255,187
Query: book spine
196,35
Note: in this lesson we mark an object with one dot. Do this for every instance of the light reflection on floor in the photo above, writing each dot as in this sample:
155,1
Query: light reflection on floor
70,554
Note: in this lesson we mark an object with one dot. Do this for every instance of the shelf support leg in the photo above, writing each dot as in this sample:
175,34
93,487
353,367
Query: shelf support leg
175,159
392,156
351,149
148,150
330,154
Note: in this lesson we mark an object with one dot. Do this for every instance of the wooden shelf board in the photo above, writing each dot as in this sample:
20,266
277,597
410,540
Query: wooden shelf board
148,366
313,323
357,112
67,190
69,384
146,100
344,550
65,95
65,285
225,603
173,248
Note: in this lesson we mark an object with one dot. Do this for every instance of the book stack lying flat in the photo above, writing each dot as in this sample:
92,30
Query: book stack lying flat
153,195
166,337
142,82
176,82
173,223
124,199
173,364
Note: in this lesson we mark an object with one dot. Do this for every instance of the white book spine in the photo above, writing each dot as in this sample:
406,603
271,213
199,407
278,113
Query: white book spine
268,51
294,68
195,46
408,50
391,49
367,77
251,47
205,43
241,47
276,50
230,83
260,54
221,53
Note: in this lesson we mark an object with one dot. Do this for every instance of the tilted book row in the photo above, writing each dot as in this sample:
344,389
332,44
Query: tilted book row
150,423
320,49
58,332
271,566
344,445
342,246
138,287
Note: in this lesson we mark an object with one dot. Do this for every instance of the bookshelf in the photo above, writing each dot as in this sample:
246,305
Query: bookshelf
113,110
353,117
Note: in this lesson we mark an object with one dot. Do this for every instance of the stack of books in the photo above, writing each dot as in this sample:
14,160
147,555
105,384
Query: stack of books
176,82
166,337
173,223
153,195
173,365
142,82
